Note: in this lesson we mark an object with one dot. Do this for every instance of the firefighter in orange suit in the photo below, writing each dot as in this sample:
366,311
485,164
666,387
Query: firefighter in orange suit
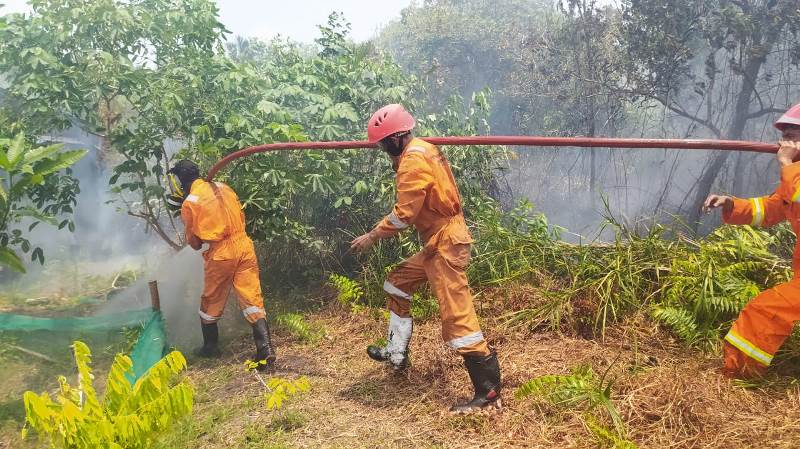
767,320
428,199
212,214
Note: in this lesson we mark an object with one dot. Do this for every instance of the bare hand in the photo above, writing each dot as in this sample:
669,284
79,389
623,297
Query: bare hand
363,242
714,201
788,151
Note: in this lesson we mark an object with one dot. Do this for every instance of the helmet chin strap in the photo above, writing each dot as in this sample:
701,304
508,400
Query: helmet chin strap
394,145
175,185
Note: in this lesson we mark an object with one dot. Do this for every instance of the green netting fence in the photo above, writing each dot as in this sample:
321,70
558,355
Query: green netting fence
150,346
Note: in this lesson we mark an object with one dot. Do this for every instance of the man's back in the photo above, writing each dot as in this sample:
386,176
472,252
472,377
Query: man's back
212,212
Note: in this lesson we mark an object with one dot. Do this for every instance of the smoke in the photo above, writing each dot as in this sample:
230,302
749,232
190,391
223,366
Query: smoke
180,284
644,186
104,234
106,242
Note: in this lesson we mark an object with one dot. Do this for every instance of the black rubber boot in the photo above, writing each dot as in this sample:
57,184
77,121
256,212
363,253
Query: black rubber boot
264,349
210,348
377,353
396,350
380,354
484,372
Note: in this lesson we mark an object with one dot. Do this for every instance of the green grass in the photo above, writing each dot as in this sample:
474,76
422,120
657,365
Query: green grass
288,420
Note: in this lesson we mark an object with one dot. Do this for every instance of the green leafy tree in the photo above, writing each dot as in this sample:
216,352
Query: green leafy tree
96,65
713,63
35,187
164,84
578,69
305,204
464,46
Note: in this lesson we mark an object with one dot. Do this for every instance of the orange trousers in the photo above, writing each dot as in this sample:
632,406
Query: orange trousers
444,269
231,264
762,327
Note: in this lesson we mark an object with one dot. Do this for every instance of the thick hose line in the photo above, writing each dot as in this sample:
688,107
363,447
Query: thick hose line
591,142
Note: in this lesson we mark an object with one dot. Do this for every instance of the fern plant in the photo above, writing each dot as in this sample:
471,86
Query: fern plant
128,416
580,388
300,328
707,287
349,292
607,438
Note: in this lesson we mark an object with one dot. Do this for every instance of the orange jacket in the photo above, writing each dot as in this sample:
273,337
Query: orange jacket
765,211
427,197
212,213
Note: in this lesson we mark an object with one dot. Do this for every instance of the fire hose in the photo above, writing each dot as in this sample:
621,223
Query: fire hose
585,142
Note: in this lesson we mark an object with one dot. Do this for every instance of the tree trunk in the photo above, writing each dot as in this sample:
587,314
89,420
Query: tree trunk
734,132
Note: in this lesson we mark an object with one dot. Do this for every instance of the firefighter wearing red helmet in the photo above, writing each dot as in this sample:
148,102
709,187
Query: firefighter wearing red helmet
766,321
428,199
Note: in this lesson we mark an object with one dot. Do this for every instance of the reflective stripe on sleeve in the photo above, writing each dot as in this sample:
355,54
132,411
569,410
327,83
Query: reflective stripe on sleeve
748,348
466,340
192,198
396,221
416,150
394,291
758,211
796,196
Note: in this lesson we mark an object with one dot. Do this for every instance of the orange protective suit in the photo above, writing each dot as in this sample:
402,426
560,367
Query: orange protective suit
428,198
212,214
767,320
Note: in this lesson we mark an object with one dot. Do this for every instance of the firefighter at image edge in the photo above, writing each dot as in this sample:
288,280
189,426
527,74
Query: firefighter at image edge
766,321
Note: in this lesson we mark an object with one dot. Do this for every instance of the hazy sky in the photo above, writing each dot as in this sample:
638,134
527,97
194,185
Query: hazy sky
296,19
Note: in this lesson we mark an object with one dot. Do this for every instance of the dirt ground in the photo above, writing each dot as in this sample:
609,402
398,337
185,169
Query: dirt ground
667,396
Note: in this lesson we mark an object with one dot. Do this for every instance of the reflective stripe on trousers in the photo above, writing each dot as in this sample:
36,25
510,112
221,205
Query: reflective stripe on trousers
748,348
444,270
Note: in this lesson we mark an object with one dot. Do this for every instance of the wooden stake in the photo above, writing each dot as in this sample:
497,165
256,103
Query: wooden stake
155,300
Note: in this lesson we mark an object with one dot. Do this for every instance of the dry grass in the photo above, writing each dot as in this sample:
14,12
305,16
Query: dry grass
668,396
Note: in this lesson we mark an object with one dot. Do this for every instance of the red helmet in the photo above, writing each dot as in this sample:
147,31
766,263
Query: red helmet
791,117
388,120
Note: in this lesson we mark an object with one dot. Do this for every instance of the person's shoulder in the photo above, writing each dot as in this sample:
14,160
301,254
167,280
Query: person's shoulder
420,146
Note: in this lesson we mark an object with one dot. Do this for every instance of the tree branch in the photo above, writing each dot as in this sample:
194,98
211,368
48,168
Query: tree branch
691,117
764,111
155,227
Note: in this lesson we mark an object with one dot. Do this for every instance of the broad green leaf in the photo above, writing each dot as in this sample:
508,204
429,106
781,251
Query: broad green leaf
3,196
268,107
4,164
15,151
19,187
10,259
60,162
360,186
41,153
33,213
38,254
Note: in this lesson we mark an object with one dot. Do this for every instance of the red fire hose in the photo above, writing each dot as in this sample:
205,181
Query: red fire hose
685,144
